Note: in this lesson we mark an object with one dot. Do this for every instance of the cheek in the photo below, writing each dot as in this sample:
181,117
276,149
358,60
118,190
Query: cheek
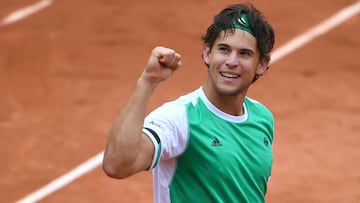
248,65
217,60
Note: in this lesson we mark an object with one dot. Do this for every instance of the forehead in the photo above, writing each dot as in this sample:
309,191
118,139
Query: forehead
239,38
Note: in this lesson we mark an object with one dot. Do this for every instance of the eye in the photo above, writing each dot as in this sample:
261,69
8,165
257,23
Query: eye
224,49
245,53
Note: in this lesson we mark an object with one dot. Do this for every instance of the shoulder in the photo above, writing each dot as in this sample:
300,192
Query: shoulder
190,98
255,106
179,104
175,110
261,116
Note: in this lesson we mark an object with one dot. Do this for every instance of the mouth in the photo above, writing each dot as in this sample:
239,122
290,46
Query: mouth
229,75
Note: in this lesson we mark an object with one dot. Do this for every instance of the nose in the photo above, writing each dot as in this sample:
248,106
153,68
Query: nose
232,60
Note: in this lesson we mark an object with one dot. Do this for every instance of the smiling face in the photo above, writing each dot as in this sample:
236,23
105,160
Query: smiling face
233,62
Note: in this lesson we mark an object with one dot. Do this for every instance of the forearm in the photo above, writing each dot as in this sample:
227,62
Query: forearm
124,141
127,150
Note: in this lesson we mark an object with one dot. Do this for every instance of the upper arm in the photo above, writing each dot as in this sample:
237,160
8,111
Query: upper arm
145,156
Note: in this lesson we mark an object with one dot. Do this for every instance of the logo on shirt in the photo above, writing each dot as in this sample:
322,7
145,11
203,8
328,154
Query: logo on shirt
153,123
216,143
266,142
156,124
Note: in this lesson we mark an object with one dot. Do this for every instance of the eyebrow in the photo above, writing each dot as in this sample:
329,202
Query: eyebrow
242,49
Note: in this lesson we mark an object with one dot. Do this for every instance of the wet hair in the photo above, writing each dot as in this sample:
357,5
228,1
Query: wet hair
260,28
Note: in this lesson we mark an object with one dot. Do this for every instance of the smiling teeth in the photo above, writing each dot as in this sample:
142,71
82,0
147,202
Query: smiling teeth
227,75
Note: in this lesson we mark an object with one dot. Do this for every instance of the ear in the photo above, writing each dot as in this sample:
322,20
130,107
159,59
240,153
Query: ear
206,55
263,66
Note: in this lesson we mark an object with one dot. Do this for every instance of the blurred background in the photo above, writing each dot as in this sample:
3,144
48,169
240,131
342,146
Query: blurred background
66,71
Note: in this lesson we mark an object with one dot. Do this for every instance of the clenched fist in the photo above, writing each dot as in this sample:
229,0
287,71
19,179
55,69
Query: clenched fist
161,65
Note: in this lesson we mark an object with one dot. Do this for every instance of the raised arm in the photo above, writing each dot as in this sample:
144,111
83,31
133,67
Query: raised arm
128,150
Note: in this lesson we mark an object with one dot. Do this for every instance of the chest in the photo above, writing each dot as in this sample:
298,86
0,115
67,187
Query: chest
232,150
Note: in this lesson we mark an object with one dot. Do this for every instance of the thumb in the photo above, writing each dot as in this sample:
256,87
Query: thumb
170,59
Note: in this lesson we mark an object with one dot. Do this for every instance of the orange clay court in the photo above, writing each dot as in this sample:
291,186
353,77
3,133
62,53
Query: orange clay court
66,71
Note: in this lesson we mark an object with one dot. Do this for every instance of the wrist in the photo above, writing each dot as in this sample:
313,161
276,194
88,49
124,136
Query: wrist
147,85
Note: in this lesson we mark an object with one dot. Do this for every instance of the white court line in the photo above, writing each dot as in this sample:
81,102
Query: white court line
289,47
316,31
63,180
25,12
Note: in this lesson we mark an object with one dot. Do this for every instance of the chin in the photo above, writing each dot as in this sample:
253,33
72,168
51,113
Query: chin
228,91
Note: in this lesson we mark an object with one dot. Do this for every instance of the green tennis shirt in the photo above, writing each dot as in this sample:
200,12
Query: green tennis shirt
205,155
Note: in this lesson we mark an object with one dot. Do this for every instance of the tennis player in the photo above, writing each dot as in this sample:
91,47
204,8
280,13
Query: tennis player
213,144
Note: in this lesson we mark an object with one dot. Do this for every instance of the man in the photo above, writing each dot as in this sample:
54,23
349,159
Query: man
213,144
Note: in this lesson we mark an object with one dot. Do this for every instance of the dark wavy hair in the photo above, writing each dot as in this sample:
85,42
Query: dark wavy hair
261,29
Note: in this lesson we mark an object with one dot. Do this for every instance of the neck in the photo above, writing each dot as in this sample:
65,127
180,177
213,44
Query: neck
230,104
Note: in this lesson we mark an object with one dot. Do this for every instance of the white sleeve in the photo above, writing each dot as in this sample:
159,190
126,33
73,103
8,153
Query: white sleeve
167,127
